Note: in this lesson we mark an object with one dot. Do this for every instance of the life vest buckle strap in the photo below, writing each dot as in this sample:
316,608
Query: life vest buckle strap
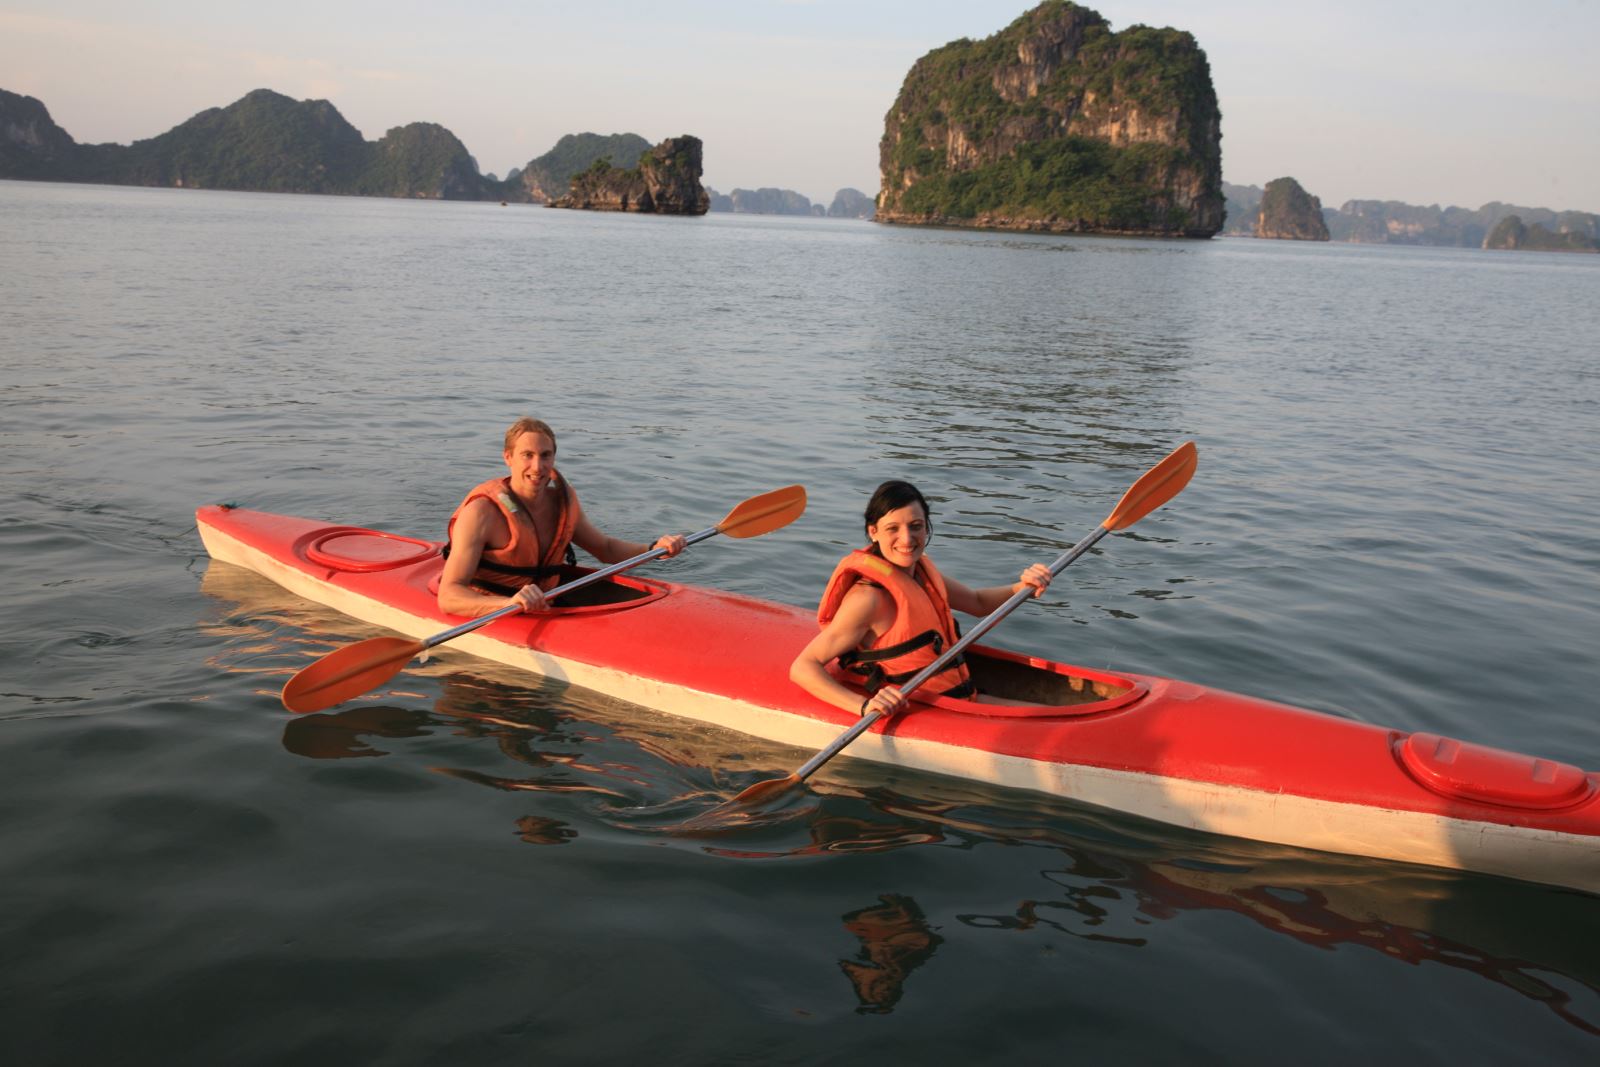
849,659
542,571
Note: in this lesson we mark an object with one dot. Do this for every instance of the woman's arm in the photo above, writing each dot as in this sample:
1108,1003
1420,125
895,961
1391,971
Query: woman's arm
865,610
984,601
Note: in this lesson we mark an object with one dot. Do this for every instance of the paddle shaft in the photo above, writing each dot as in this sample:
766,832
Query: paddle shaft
987,623
576,583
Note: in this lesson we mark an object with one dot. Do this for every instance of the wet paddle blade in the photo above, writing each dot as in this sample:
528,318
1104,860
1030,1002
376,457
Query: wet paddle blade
1158,485
765,513
348,672
764,792
736,813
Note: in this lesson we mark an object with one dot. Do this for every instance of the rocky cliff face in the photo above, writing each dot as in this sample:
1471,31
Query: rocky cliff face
1058,124
1511,234
666,182
424,160
31,144
671,172
1289,213
263,142
549,177
1243,204
851,204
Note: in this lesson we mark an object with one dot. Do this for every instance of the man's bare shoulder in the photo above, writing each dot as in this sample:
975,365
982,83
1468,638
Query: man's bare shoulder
479,518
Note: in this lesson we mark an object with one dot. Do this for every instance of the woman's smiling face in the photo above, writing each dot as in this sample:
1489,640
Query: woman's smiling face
901,535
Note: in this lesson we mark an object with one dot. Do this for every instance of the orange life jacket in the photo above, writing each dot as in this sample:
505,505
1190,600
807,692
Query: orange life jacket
523,559
922,627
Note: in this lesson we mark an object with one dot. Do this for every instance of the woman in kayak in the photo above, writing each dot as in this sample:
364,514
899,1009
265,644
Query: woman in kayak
515,532
886,612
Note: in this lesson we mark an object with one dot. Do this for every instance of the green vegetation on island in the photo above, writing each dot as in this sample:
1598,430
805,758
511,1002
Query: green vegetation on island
1512,234
268,142
666,182
1289,213
263,142
550,176
1056,123
1243,204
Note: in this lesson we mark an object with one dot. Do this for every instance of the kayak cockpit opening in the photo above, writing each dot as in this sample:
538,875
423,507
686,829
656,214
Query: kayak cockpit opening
1037,685
1042,687
618,589
617,593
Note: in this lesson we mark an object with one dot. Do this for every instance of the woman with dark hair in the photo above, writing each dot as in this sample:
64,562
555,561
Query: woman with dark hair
886,612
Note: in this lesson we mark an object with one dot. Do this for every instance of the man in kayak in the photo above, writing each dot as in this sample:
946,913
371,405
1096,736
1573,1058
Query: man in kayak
515,532
886,612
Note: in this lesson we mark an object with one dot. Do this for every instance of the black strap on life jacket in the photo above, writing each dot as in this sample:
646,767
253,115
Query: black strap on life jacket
544,570
865,662
487,572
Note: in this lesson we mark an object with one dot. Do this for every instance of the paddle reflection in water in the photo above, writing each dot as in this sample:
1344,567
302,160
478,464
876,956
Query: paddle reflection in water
895,940
560,740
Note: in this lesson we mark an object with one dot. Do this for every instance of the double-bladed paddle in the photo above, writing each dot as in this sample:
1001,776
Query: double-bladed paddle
1158,485
353,670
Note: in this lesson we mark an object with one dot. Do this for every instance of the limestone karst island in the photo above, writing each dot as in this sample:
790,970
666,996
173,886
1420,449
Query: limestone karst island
1058,124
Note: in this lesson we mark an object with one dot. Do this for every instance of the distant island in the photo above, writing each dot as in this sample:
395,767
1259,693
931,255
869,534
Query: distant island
549,177
268,142
1289,213
1393,222
666,182
847,203
1511,234
1058,124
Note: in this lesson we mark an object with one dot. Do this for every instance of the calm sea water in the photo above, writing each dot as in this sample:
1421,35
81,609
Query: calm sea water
1395,519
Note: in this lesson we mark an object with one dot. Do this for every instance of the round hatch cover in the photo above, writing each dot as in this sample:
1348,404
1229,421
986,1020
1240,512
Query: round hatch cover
353,548
1491,775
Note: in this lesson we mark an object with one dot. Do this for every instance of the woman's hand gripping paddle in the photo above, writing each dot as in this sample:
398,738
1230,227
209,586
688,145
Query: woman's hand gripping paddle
355,669
1158,485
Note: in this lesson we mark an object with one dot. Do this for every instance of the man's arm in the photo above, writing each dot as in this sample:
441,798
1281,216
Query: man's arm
471,531
608,549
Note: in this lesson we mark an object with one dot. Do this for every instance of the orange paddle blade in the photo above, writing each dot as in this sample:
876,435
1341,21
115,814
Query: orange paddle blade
1160,484
765,513
762,792
348,672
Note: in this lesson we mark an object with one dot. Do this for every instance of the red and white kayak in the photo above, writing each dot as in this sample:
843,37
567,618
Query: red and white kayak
1166,750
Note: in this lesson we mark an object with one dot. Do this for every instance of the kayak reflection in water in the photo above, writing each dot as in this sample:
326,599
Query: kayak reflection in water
885,614
895,940
511,535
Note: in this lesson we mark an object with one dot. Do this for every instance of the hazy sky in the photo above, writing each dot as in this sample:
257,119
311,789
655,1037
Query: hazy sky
1425,102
